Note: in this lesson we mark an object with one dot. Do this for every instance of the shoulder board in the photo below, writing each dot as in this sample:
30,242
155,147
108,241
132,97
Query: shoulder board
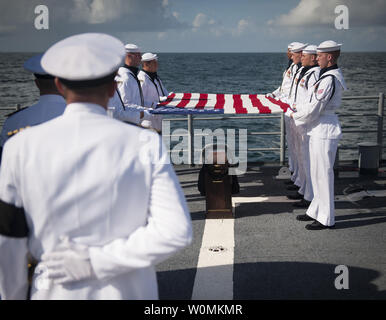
13,132
14,112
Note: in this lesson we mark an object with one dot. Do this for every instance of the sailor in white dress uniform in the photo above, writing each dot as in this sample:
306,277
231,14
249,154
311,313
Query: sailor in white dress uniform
50,105
282,93
324,130
152,87
286,82
296,50
127,104
301,92
91,196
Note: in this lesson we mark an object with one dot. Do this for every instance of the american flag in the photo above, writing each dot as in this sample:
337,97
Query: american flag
202,103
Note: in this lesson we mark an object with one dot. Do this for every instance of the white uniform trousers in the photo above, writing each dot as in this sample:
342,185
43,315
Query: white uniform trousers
305,150
287,123
297,157
291,135
322,157
299,133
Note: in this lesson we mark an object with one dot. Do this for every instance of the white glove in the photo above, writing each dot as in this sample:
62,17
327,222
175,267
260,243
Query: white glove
146,121
71,262
151,121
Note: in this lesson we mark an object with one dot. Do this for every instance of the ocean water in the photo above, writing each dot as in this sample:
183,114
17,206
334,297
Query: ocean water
235,73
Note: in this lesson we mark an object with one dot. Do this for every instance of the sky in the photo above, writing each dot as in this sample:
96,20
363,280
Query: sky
196,25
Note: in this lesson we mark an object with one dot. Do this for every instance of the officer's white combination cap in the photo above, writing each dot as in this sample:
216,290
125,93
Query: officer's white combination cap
33,65
311,49
298,47
84,57
329,46
132,48
148,56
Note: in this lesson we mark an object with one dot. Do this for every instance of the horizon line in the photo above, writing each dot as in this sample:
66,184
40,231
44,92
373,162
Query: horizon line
376,51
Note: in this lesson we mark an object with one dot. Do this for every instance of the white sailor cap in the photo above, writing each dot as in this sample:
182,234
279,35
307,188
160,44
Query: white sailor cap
329,46
298,46
85,59
132,48
290,45
148,56
310,49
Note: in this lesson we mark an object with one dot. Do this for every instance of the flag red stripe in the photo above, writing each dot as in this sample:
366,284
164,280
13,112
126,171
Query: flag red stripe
220,101
238,104
202,101
257,103
168,100
282,105
184,101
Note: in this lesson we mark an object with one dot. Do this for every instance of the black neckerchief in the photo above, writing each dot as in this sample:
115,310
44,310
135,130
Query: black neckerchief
153,76
299,65
304,70
289,63
324,70
134,70
302,73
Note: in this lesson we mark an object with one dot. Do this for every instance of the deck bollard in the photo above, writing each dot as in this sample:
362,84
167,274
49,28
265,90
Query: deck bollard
217,185
368,158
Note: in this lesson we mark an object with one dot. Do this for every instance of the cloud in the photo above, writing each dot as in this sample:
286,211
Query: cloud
242,26
201,20
322,13
90,15
204,23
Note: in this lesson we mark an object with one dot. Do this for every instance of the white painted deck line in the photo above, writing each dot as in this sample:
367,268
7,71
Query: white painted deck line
214,276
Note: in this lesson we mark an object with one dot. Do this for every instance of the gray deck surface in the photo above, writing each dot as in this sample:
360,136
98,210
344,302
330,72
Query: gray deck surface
275,257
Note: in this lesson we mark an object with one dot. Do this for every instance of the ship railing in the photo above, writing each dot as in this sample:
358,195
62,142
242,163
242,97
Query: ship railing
189,119
282,149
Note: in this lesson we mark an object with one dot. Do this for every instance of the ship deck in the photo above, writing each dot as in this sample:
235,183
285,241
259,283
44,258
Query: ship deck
268,254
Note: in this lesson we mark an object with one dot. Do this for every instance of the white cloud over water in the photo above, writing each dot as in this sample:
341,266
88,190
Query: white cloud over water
322,12
91,15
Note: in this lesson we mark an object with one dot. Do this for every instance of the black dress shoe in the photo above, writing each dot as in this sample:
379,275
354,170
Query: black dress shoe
296,196
293,188
316,225
289,182
304,217
302,204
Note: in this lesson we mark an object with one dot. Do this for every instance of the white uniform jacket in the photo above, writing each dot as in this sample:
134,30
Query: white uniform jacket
283,91
319,113
100,182
152,90
48,107
129,89
303,88
121,112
